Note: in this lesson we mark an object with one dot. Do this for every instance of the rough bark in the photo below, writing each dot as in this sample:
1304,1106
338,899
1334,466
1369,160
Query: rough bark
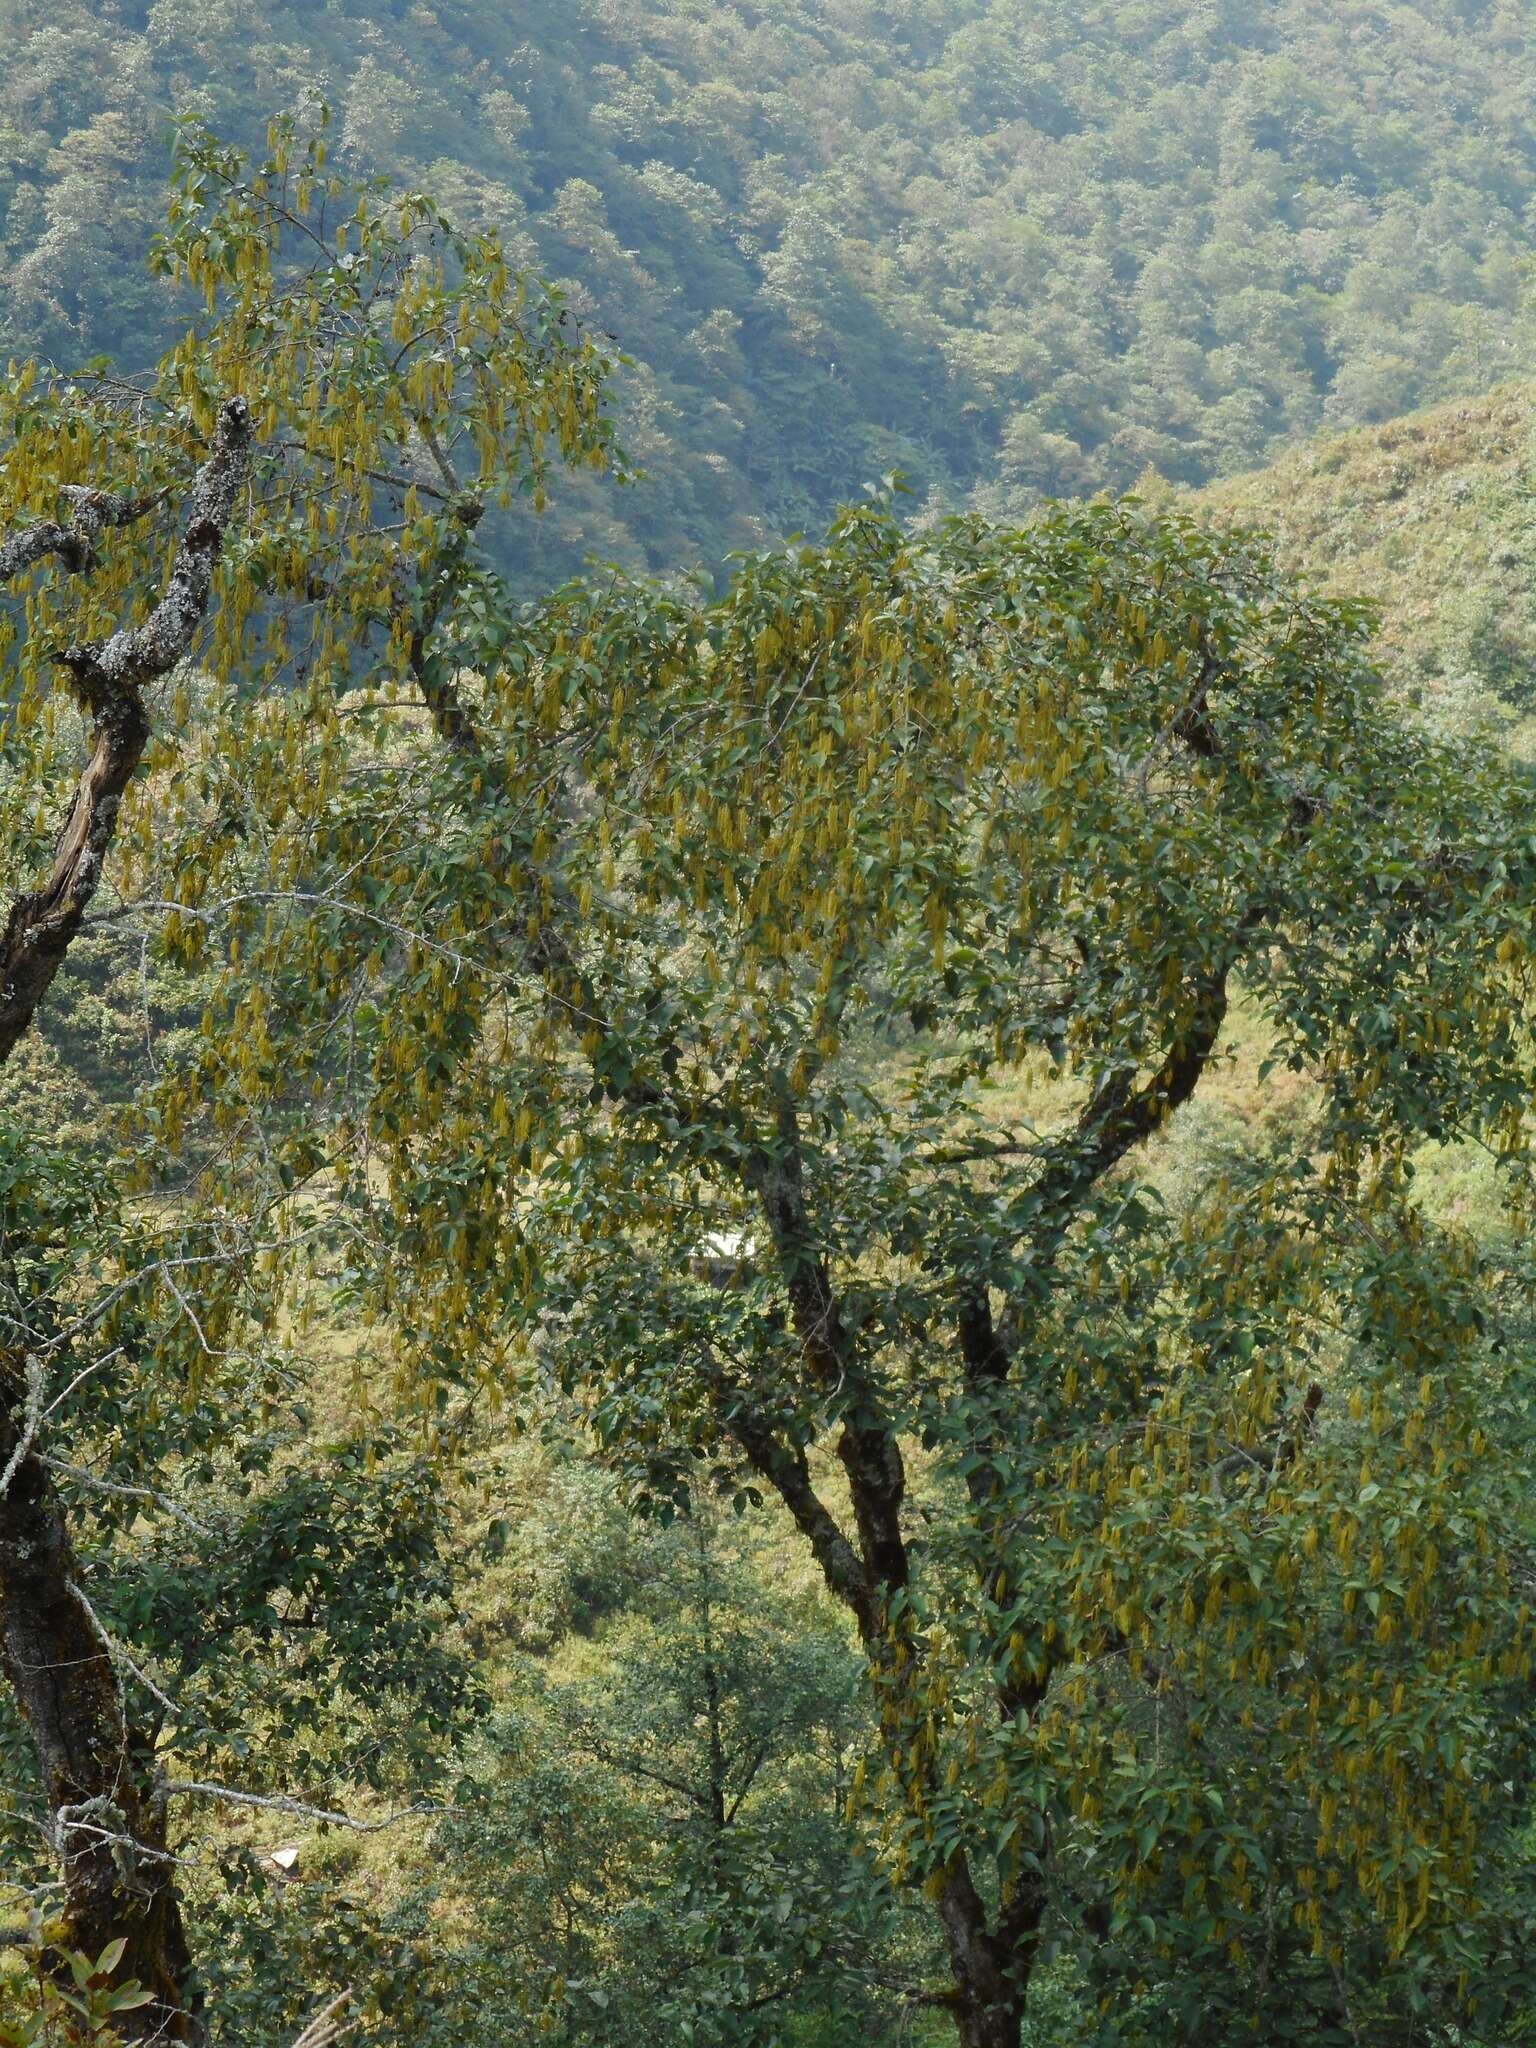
990,1959
109,681
106,1830
73,545
1119,1118
867,1446
787,1471
990,1965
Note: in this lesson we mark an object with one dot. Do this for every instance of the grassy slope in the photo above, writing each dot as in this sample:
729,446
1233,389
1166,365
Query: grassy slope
1434,516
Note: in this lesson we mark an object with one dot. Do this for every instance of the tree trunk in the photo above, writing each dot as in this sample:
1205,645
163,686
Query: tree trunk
990,2026
990,1967
107,1833
106,1830
109,681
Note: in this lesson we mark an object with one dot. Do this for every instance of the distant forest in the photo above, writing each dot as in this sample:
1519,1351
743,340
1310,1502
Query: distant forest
1011,248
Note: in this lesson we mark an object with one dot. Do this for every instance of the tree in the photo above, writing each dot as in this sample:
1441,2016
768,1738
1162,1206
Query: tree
296,454
821,883
658,1838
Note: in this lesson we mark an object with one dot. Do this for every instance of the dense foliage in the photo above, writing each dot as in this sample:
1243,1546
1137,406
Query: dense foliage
771,1046
1005,246
1042,797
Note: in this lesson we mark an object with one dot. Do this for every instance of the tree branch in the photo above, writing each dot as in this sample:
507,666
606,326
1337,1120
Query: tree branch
1119,1117
329,2024
118,1654
277,1803
786,1470
31,1421
109,679
74,545
635,1768
119,1492
867,1445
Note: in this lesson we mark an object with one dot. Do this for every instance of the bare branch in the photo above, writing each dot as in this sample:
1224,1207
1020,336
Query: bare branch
111,1486
329,2024
31,1419
311,898
278,1803
118,1654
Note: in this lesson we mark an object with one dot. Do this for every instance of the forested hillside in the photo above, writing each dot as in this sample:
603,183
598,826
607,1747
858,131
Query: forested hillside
1007,247
889,1401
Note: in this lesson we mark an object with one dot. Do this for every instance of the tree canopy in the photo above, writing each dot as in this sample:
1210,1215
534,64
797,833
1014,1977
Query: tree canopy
254,453
847,864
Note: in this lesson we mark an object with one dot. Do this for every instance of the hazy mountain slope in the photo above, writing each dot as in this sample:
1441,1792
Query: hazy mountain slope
1008,246
1434,516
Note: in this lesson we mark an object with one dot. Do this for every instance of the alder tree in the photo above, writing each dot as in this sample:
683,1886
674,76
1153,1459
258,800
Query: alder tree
203,567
